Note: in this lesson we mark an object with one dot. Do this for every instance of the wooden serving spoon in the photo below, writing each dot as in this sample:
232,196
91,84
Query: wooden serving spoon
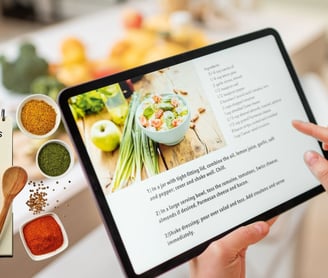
13,181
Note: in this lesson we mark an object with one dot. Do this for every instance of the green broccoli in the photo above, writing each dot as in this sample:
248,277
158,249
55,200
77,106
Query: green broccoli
47,85
18,75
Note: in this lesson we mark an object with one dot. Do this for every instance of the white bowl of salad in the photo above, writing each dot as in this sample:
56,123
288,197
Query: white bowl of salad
164,118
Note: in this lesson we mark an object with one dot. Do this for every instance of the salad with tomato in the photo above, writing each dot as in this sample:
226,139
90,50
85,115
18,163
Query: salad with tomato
163,112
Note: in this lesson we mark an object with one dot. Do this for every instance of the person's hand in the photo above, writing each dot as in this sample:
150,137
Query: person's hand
225,258
317,164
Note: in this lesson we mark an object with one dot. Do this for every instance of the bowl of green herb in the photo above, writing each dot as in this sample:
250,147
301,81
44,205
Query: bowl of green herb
54,158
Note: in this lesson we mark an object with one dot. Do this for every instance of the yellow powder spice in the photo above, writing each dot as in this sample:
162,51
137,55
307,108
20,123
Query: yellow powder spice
38,117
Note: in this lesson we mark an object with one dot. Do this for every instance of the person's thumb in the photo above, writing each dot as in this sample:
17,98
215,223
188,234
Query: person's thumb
318,166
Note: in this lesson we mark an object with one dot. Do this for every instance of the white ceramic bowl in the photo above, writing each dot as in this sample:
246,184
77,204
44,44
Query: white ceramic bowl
49,254
171,136
39,97
69,150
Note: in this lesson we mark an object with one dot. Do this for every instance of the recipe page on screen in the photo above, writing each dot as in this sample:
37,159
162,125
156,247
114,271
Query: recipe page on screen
250,101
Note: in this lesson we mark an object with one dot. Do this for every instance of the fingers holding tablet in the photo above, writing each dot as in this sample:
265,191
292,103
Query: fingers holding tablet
316,162
226,256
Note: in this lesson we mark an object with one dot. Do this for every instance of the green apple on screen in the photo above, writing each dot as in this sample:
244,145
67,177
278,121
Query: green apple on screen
105,135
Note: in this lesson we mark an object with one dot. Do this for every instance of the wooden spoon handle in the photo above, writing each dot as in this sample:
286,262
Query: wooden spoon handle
4,212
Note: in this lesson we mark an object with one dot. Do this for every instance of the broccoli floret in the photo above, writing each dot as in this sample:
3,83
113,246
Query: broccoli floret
18,75
47,85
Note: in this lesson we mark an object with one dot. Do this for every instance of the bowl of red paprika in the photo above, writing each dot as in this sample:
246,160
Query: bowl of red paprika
44,236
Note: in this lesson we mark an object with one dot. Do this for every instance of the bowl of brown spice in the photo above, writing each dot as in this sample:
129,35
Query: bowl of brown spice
38,116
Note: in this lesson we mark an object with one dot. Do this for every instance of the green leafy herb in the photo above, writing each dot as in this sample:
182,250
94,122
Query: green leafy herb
166,106
86,104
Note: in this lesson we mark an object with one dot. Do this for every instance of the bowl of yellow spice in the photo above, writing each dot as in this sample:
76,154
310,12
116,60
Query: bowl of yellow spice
38,116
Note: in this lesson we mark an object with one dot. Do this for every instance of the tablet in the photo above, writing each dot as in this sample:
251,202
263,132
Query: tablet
181,151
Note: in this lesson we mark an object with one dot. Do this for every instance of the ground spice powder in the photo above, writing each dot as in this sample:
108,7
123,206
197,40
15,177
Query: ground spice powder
38,117
43,235
54,159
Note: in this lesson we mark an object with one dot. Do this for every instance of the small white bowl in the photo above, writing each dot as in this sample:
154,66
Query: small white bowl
39,97
69,150
171,136
49,254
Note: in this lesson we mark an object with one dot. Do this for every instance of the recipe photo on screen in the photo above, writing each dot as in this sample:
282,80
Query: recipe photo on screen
192,150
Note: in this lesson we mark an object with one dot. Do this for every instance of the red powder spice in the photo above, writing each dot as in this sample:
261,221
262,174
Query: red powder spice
43,235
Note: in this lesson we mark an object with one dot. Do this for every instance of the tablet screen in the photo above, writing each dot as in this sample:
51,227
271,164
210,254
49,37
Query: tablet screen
180,151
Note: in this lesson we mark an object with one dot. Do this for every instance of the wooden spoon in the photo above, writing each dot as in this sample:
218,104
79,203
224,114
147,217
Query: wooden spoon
13,181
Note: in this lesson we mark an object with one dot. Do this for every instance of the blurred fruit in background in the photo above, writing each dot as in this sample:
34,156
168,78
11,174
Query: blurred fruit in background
144,39
159,36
